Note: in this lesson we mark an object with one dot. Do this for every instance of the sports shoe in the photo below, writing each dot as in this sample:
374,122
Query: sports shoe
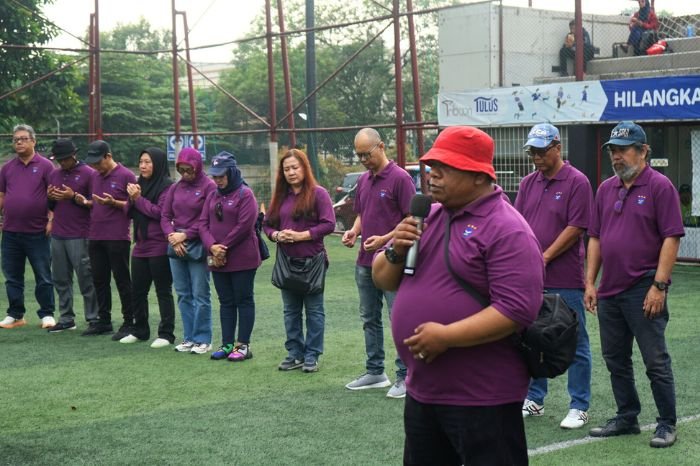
11,322
530,408
96,328
160,343
398,390
47,322
615,426
665,436
184,347
61,326
575,419
289,364
367,380
240,353
200,348
222,352
310,366
130,338
123,331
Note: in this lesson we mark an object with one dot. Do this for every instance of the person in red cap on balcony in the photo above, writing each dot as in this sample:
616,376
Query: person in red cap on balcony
466,379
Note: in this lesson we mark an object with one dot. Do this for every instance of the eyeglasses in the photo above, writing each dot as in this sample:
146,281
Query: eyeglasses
536,152
219,211
621,196
368,154
21,139
185,171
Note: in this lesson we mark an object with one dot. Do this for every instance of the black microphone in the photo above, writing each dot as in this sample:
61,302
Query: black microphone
420,208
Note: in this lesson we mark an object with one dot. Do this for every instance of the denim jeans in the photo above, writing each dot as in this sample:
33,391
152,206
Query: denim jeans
371,315
579,373
237,302
622,320
307,349
16,248
191,282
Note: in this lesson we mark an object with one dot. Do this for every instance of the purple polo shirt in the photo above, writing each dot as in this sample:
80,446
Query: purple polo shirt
156,243
26,205
184,205
319,226
551,205
108,222
71,221
236,230
493,249
382,200
630,241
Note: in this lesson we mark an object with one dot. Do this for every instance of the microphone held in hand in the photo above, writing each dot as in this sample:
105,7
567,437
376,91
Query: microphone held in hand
420,208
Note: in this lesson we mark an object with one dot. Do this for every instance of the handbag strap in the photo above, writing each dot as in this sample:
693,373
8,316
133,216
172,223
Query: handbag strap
481,299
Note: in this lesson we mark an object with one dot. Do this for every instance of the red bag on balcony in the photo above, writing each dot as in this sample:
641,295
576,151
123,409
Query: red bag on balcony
658,48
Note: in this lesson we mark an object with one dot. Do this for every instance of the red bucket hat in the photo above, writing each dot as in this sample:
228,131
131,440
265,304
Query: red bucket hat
463,147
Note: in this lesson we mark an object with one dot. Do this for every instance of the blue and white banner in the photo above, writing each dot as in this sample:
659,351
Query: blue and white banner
644,99
185,140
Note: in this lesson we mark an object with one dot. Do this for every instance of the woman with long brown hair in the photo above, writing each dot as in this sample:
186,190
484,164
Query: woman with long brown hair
299,217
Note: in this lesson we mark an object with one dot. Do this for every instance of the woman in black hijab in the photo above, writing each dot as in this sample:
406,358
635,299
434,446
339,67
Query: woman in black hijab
149,261
642,24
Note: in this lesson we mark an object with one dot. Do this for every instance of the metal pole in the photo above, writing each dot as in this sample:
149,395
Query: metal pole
98,78
417,104
272,147
190,86
285,71
310,86
501,53
91,79
400,149
578,40
176,86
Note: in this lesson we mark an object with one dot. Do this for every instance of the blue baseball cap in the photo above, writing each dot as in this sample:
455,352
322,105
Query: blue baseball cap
221,163
542,135
626,133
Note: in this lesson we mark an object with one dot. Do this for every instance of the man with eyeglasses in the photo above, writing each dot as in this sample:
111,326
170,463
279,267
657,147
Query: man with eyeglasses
24,181
635,233
383,199
109,238
556,201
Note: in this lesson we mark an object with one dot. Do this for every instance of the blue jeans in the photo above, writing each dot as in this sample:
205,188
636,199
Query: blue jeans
579,372
297,346
191,283
237,302
371,315
16,248
622,320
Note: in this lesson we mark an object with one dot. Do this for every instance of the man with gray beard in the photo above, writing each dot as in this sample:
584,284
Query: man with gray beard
635,231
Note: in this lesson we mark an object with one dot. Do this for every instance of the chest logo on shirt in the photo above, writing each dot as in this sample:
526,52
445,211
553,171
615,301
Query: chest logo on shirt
198,193
113,184
77,178
229,202
558,195
641,200
35,170
469,230
383,193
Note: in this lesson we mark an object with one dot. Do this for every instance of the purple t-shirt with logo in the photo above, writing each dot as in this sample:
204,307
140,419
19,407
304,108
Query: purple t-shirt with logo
106,221
71,221
26,204
551,205
235,230
631,239
382,200
155,243
493,249
184,205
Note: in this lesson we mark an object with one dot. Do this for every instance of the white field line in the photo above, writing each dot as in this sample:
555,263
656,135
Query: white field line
584,441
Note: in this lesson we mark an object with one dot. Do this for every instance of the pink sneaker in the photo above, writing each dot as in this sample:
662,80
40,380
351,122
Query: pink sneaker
240,353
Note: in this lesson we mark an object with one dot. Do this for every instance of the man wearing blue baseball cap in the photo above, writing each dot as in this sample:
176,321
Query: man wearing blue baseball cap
556,201
635,232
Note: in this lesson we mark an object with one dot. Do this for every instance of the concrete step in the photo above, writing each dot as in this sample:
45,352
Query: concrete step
684,44
667,61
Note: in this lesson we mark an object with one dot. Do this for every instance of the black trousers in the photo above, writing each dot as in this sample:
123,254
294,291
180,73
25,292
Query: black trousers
438,435
565,53
156,270
111,257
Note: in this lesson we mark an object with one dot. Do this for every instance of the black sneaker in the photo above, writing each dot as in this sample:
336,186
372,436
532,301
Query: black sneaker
665,436
290,364
615,426
123,331
96,328
310,366
61,326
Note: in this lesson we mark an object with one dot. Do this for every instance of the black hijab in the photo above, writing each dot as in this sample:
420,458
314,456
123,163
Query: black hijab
151,188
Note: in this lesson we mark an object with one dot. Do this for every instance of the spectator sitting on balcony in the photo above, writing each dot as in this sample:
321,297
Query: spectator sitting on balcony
568,50
643,26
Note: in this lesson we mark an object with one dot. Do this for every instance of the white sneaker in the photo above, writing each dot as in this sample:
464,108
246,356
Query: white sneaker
398,390
11,322
200,348
48,322
160,343
532,409
575,419
184,347
129,339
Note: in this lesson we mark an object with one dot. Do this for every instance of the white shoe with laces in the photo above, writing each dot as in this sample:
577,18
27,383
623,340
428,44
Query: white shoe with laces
184,347
48,322
575,419
160,343
200,348
532,409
